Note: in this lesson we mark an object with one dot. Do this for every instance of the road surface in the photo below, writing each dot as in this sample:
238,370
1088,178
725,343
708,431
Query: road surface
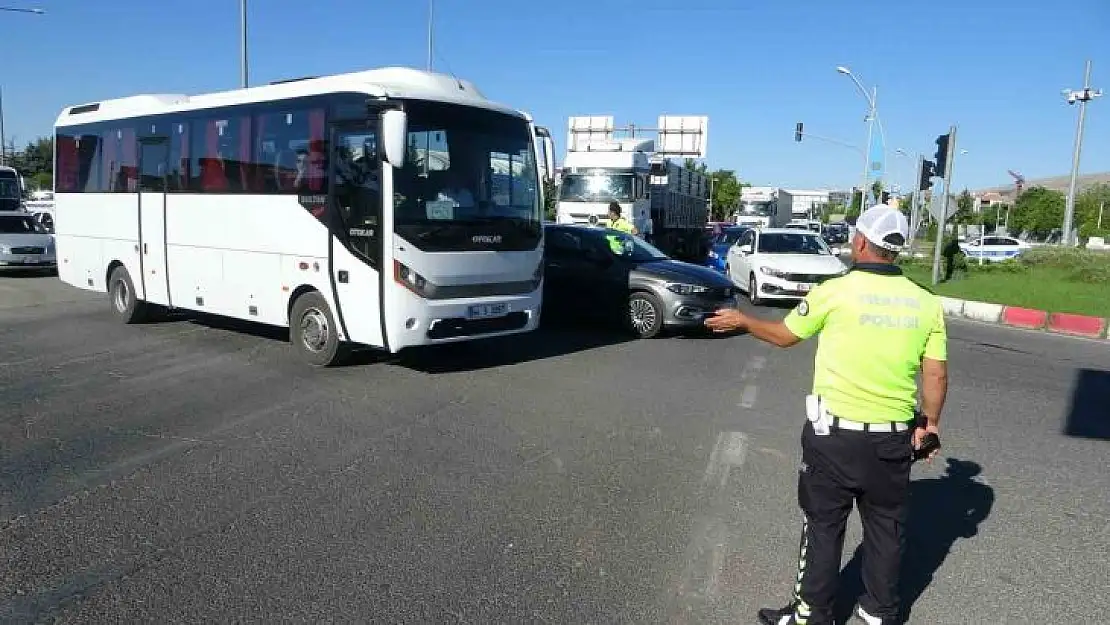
192,470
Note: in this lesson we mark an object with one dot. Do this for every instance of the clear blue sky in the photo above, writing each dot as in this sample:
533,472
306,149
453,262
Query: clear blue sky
994,67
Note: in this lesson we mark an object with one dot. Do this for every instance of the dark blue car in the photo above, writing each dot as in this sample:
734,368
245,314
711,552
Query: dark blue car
719,244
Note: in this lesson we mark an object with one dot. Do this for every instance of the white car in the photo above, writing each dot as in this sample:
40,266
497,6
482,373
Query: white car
781,263
993,248
24,243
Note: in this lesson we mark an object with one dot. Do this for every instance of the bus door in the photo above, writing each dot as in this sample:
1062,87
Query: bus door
357,253
153,158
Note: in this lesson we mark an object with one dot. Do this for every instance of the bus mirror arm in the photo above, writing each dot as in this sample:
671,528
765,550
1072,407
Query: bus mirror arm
394,132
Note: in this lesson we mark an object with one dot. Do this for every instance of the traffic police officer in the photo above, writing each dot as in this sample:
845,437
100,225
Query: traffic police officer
616,222
877,329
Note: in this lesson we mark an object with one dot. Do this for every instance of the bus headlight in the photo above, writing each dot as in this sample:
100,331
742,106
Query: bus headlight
409,279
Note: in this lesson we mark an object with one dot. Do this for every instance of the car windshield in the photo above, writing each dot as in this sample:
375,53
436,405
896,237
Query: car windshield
597,187
19,225
792,243
632,248
732,236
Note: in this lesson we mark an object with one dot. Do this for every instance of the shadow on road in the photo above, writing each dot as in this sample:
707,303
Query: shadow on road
549,341
1089,413
942,511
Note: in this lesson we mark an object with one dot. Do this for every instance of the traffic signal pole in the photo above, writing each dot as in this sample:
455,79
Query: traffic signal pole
944,164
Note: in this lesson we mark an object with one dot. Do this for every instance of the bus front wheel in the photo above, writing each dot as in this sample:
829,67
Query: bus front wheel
313,331
124,299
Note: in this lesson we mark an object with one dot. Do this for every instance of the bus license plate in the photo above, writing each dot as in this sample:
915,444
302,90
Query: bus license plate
485,311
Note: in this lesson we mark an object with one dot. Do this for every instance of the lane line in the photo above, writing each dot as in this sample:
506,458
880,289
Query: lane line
705,553
748,395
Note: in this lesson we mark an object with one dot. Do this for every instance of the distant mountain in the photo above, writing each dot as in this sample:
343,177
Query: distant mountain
1055,183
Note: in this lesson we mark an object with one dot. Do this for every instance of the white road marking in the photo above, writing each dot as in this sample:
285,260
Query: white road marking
705,553
747,397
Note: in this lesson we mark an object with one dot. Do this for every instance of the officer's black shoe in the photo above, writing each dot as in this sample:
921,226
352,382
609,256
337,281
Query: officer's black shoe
863,616
780,616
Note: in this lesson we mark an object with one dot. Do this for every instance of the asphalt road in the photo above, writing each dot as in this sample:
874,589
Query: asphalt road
191,471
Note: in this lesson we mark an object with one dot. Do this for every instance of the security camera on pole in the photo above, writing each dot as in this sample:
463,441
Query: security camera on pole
1083,96
946,153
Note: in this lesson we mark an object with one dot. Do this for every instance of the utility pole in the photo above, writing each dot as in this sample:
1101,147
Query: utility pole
3,142
431,22
1083,97
915,202
942,203
243,44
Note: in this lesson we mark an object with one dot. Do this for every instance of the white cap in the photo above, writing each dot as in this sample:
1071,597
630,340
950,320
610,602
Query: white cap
881,221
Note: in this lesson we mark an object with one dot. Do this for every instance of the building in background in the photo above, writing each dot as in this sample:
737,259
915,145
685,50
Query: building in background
804,204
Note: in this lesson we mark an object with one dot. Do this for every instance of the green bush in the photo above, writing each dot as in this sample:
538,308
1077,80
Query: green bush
1079,264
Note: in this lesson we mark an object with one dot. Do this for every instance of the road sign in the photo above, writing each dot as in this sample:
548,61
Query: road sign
935,207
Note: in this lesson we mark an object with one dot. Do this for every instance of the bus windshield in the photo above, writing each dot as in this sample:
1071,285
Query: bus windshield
470,181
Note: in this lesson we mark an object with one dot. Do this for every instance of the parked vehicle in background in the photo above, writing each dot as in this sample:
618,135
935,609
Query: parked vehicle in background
389,208
606,275
24,243
781,263
994,248
719,245
11,189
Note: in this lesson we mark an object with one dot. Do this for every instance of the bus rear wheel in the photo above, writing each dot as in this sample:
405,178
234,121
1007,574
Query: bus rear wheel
313,331
124,299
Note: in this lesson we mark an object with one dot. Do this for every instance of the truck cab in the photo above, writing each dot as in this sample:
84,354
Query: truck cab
603,172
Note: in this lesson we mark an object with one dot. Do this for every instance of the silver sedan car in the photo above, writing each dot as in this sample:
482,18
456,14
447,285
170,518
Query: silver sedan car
25,244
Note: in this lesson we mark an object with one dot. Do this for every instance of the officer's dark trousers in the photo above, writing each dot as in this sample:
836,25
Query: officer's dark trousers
871,469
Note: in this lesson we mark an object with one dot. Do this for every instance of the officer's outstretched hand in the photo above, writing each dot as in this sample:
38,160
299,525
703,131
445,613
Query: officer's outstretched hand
726,320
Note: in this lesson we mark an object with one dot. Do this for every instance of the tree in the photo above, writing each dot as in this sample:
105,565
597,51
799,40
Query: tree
1087,208
726,194
550,199
1038,211
693,165
965,206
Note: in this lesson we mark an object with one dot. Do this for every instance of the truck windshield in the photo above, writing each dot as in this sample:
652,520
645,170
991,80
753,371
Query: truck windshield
469,182
597,187
756,210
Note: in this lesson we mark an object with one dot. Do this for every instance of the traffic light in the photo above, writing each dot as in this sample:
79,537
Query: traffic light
798,133
927,173
942,155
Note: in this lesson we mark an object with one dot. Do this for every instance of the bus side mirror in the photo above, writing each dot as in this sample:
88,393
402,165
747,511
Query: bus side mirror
548,155
394,132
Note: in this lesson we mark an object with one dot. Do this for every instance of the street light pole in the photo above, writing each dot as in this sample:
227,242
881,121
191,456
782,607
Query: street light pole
872,117
3,139
1083,97
243,43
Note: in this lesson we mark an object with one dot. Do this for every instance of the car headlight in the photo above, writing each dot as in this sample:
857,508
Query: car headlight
4,249
537,275
409,279
771,271
686,289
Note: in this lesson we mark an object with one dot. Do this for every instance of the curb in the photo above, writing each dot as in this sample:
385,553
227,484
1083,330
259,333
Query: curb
1027,318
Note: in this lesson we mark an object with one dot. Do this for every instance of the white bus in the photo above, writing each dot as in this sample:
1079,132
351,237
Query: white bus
389,208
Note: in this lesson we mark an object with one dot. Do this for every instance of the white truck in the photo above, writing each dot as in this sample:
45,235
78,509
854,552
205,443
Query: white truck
667,202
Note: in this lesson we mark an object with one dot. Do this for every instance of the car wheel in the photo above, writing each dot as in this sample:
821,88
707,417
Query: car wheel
753,291
645,315
125,301
313,331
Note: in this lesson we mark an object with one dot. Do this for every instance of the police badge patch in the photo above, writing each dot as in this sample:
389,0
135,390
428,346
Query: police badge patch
803,308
